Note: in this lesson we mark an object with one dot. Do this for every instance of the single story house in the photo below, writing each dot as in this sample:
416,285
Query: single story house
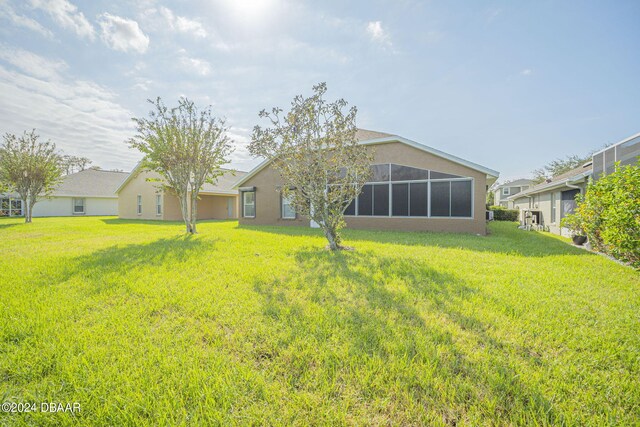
552,200
88,192
141,196
502,192
413,187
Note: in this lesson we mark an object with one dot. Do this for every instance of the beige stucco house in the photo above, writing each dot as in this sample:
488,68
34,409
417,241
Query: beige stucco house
141,197
414,187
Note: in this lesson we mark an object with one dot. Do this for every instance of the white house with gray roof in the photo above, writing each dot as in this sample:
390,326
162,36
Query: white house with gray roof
502,192
88,192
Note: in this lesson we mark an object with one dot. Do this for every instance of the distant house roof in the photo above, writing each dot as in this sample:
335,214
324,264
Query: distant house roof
224,185
90,183
572,176
370,137
516,183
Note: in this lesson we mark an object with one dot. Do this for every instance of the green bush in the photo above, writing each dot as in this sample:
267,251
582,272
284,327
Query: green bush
503,214
609,214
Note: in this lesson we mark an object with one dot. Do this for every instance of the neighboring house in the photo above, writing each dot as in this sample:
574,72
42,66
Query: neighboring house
553,199
626,152
414,187
88,192
141,197
508,189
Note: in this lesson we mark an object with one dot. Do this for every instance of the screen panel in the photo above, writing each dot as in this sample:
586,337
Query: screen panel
440,198
419,199
461,198
400,202
365,200
407,173
381,199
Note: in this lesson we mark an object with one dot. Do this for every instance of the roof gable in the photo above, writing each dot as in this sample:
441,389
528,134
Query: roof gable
374,138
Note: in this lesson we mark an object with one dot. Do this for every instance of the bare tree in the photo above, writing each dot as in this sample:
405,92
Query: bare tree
314,148
187,147
29,167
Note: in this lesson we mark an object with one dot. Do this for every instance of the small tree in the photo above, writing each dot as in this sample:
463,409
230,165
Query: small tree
187,147
314,149
29,167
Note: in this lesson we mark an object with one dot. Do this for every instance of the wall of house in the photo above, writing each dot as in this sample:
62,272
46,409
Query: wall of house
216,207
63,206
128,197
268,206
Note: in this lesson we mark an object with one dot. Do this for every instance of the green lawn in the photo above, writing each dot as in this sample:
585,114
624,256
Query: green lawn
260,325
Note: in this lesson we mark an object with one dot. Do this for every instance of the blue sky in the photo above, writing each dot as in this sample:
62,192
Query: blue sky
509,85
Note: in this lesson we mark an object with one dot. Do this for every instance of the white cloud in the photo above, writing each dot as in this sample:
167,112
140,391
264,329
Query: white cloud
526,72
123,34
195,65
80,116
23,21
182,24
377,33
32,64
67,16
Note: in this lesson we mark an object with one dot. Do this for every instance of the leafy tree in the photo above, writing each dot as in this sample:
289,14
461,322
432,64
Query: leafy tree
29,167
559,166
71,164
314,149
186,146
609,214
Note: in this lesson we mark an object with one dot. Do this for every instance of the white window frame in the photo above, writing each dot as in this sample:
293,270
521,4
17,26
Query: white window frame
158,204
84,206
284,201
245,204
553,208
506,191
139,204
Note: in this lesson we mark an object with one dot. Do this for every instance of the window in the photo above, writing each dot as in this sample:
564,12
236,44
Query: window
419,200
287,210
365,200
158,204
78,206
139,205
400,199
441,198
506,191
404,191
553,207
461,199
249,204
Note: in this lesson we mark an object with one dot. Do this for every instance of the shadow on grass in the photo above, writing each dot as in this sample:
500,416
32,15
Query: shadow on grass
377,307
158,222
504,238
113,263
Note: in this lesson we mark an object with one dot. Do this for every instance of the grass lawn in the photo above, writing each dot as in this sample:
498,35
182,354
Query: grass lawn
260,325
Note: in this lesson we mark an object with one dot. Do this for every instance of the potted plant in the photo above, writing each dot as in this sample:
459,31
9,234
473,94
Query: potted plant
574,224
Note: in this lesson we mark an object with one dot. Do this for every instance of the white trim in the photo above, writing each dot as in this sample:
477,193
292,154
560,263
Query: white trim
506,191
282,204
616,144
245,204
490,172
159,205
73,206
139,204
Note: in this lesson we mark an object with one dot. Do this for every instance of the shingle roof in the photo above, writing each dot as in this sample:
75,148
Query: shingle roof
556,180
516,183
225,183
90,183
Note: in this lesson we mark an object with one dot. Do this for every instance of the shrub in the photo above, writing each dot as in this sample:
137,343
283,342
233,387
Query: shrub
503,214
609,214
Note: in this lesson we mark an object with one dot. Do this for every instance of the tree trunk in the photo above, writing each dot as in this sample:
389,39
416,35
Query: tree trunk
194,212
184,207
332,238
28,206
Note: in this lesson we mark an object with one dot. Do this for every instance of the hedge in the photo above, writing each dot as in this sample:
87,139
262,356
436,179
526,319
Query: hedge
504,214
